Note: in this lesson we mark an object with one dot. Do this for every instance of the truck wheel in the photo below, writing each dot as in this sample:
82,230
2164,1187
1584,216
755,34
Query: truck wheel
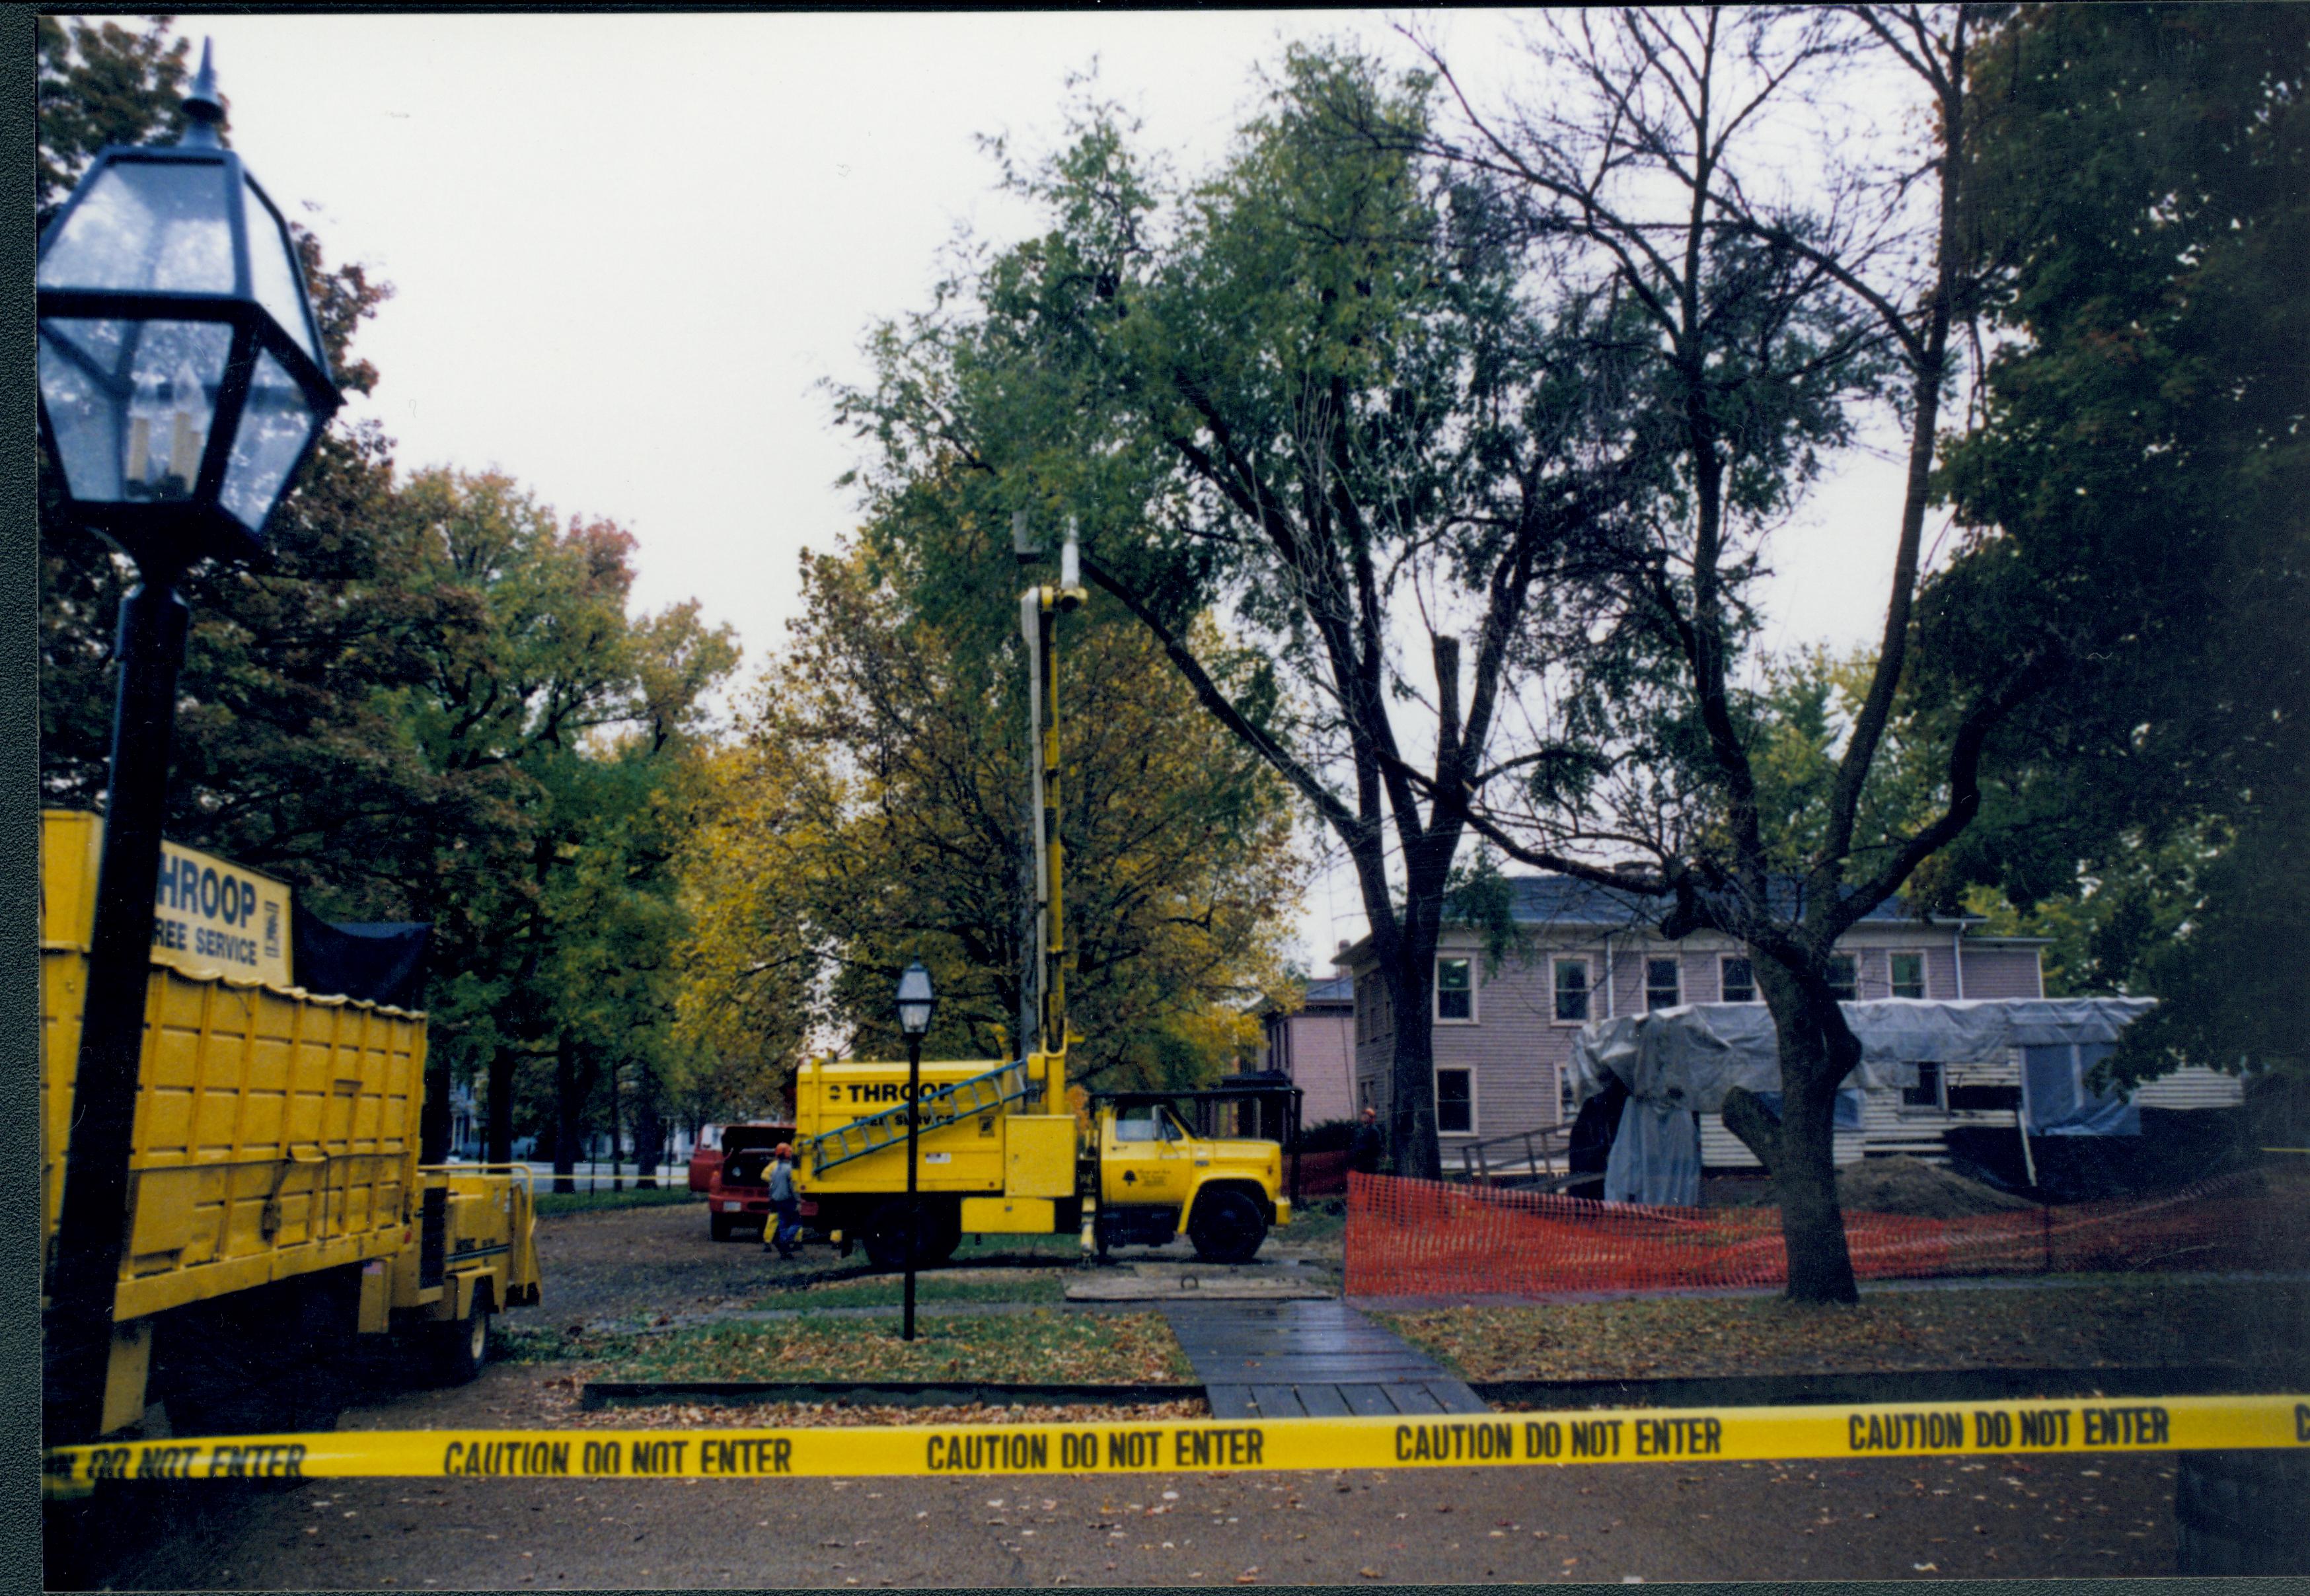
933,1241
1227,1227
462,1347
720,1225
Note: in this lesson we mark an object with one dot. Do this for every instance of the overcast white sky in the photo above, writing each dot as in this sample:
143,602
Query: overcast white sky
627,248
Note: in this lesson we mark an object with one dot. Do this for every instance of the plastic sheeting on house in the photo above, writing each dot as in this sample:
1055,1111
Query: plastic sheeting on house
1655,1157
1679,1062
1693,1055
2059,1102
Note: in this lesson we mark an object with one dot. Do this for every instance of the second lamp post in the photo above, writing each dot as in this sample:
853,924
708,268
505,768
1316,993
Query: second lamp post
916,1002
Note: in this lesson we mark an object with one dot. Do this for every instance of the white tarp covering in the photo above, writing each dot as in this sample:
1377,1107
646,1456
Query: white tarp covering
1655,1157
1688,1057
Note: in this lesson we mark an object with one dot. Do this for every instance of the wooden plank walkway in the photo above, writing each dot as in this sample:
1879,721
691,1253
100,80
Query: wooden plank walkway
1300,1359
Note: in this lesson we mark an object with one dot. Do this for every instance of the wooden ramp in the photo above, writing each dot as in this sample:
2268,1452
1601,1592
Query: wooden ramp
1301,1359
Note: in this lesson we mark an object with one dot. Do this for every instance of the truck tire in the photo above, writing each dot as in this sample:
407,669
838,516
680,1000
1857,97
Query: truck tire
722,1226
461,1348
270,1361
1227,1227
886,1237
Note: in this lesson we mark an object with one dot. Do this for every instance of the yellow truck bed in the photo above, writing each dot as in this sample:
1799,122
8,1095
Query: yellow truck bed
275,1131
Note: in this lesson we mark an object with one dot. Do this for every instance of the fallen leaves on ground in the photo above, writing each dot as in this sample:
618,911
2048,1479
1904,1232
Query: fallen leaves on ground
759,1415
1045,1347
2134,1322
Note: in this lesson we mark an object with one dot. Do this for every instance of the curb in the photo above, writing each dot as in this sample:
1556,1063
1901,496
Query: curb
1908,1385
892,1393
1732,1391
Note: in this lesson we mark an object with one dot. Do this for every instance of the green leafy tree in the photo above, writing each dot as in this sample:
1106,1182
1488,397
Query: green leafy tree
1663,158
2135,500
548,718
871,815
1311,394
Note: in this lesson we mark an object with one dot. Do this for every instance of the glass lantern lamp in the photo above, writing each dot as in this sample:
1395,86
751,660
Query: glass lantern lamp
915,1001
182,379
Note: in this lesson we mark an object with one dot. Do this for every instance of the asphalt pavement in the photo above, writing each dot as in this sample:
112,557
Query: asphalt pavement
1884,1519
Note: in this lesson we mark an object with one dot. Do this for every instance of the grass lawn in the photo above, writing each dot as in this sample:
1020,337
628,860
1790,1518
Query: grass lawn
550,1201
1068,1246
1044,1346
1315,1220
2112,1321
1029,1286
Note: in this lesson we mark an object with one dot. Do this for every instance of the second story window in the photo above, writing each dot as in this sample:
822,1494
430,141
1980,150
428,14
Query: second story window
1908,974
1739,980
1844,977
1456,991
1661,988
1572,990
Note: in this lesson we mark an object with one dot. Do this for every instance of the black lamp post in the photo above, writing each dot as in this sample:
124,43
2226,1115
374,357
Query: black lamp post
915,1003
182,384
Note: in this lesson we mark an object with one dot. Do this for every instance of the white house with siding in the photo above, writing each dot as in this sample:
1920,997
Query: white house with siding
1503,1036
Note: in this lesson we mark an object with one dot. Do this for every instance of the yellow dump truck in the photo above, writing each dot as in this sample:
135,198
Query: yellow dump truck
1000,1149
278,1216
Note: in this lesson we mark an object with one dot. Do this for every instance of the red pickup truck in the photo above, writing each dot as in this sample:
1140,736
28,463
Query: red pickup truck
735,1177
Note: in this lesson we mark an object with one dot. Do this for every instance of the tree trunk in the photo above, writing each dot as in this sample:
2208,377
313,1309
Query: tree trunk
1818,1050
499,1148
1411,1122
565,1119
617,1181
649,1132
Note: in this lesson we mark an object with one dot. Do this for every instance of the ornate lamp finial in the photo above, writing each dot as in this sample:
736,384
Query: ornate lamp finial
204,109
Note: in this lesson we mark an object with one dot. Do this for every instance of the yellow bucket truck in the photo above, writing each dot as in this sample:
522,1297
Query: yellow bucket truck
278,1217
1000,1150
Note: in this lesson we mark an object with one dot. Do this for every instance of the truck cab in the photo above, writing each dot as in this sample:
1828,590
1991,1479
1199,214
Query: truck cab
1157,1180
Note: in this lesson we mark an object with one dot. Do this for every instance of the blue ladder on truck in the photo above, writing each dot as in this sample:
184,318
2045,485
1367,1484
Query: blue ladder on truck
981,1093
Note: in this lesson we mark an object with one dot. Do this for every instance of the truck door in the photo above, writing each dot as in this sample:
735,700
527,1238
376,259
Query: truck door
1144,1161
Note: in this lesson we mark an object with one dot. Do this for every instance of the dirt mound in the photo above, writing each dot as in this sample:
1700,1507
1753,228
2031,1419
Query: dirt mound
1906,1185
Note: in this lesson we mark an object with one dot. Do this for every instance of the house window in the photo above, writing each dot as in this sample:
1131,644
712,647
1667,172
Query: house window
1455,1101
1571,990
1364,1097
1455,992
1908,974
1737,980
1927,1092
1661,987
1844,977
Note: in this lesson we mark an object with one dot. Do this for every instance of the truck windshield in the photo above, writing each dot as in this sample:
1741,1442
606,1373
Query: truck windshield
1146,1122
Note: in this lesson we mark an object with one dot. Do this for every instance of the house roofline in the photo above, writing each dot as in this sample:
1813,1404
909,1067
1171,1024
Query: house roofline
1357,953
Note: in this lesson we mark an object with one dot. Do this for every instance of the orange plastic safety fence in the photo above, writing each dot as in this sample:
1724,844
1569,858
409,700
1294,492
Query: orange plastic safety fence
1422,1238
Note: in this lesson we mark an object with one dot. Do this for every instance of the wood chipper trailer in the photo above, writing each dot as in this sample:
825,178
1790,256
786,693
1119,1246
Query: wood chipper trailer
1000,1150
278,1217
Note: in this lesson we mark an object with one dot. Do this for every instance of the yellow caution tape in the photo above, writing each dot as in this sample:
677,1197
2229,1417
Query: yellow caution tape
1500,1440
